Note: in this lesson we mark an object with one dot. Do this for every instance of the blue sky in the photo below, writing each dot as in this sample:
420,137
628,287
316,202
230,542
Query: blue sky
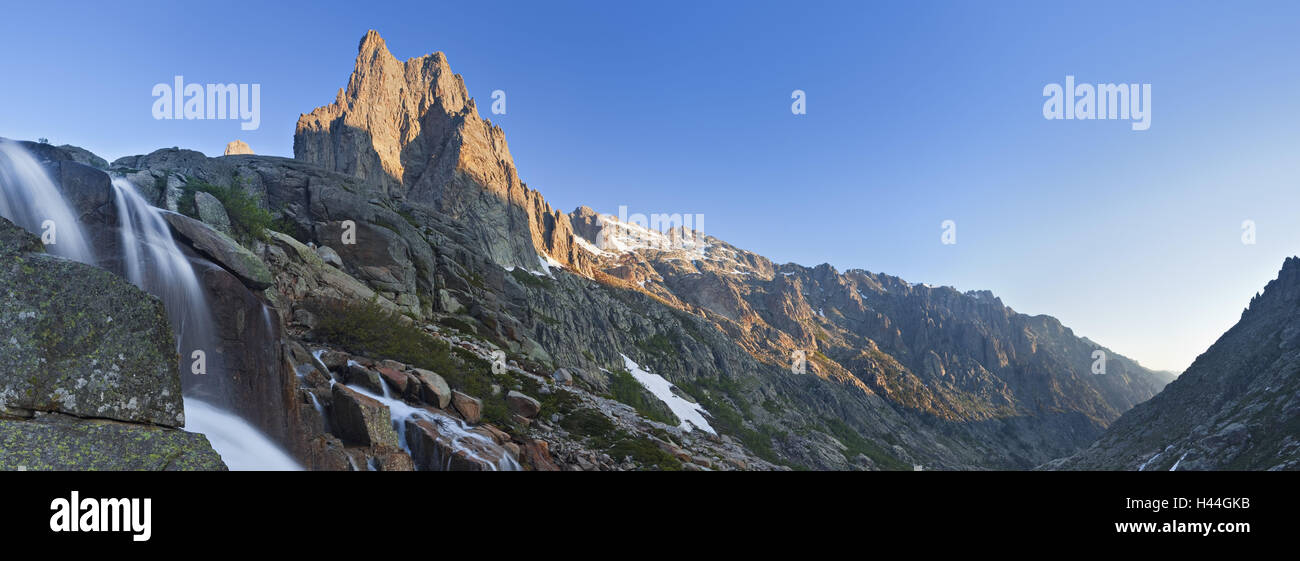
917,112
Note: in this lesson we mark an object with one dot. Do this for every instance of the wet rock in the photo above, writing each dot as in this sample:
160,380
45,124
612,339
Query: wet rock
334,360
360,420
396,380
437,446
365,377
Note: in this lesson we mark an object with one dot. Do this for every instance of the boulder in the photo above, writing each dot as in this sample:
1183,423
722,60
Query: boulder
212,212
537,454
222,250
329,256
433,388
523,405
470,408
392,459
365,377
78,340
562,376
396,380
306,276
360,420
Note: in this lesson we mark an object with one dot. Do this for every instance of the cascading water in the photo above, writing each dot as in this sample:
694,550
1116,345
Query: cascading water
152,260
155,263
240,444
457,431
29,199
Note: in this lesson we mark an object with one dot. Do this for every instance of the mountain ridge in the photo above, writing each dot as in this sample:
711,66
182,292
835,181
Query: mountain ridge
1236,407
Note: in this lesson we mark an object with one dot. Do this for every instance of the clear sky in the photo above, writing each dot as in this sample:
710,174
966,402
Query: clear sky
917,112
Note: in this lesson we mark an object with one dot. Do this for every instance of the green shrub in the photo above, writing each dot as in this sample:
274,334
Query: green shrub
659,344
248,219
856,444
644,451
527,279
589,423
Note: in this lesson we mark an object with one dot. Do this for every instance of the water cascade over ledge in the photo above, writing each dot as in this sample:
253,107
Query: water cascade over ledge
152,260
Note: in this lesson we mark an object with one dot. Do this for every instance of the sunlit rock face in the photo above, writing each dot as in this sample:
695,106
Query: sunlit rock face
410,130
238,147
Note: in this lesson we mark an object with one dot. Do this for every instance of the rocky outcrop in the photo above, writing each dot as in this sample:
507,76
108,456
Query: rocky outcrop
238,147
361,420
80,341
409,130
1237,407
88,369
221,249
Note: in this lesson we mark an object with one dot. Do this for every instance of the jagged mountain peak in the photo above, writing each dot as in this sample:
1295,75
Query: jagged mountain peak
411,132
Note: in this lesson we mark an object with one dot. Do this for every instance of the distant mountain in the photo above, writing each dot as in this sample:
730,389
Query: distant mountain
1237,407
1019,385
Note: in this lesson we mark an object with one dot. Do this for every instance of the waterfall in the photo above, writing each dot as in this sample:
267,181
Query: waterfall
29,199
457,431
242,447
154,262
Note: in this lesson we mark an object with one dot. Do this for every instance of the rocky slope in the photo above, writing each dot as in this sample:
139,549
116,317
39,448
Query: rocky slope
1237,407
1022,382
88,372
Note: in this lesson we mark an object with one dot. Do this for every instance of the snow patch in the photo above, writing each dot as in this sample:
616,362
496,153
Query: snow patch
691,414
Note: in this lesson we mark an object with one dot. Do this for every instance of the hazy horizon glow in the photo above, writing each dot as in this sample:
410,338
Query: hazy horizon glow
917,113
